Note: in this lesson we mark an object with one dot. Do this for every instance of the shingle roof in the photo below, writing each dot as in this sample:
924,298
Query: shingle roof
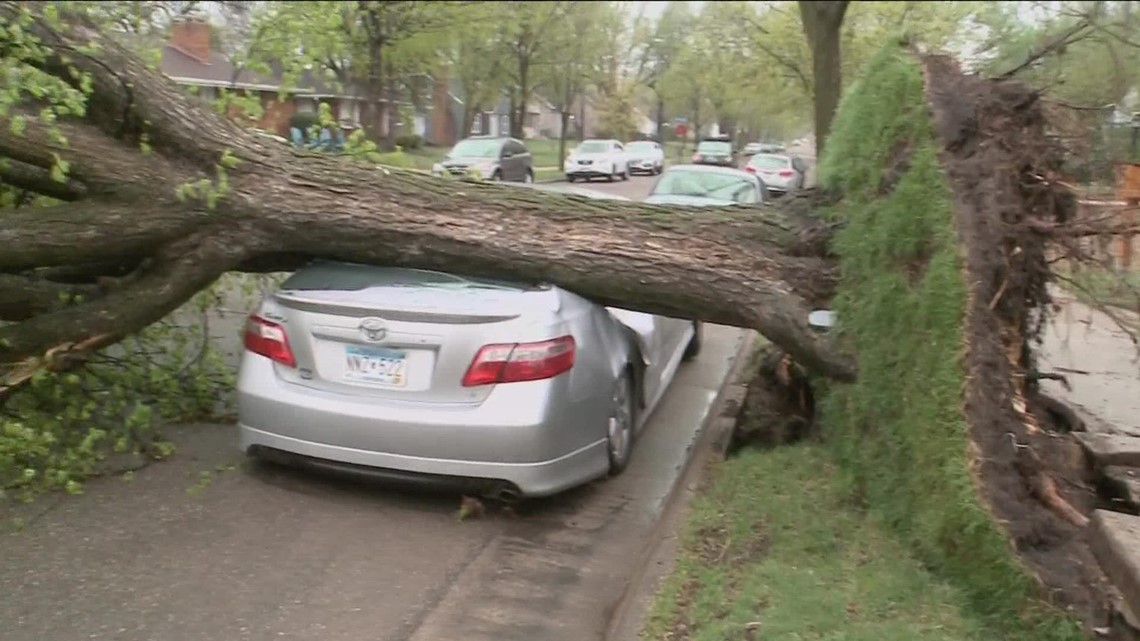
218,72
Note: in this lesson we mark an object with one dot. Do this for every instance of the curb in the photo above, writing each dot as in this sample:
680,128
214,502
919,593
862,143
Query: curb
628,613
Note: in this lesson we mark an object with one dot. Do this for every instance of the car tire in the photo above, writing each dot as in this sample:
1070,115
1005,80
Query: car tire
660,168
693,349
613,176
528,177
496,177
621,425
571,179
625,174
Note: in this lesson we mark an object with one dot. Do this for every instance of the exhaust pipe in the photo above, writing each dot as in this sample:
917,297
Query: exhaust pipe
506,493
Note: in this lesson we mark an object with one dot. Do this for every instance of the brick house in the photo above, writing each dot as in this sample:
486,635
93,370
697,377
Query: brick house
188,60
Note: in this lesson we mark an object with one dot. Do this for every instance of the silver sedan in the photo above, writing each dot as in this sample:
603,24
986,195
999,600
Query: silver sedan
519,390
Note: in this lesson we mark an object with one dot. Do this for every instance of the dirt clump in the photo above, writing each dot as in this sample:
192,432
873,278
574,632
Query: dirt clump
779,407
1026,473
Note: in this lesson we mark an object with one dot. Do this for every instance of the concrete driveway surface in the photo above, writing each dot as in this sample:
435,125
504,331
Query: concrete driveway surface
262,552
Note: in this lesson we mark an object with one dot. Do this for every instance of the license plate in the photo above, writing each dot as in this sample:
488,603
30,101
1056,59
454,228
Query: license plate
375,365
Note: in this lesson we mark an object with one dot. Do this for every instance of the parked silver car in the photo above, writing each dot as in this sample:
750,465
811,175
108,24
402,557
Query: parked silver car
782,174
514,389
495,158
707,186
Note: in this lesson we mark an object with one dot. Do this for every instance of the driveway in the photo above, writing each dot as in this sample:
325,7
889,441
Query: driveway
209,547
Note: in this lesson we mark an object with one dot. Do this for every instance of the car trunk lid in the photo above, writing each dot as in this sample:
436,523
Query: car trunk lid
396,334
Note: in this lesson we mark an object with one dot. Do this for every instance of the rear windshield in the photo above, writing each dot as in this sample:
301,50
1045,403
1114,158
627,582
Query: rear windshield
487,148
769,162
594,147
331,276
715,147
640,146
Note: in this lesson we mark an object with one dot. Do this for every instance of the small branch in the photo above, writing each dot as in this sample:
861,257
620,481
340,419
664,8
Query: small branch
1067,37
32,178
22,297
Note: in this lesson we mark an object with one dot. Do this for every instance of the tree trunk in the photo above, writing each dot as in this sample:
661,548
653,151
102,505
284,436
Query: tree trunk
278,207
822,20
392,109
660,118
564,117
518,125
373,112
582,117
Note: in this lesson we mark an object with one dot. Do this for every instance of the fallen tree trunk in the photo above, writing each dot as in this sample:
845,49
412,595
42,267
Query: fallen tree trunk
182,195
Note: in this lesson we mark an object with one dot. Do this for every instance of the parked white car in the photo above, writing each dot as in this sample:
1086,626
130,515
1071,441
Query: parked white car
645,156
598,159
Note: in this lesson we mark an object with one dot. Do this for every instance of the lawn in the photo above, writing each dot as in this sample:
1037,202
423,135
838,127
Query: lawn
775,549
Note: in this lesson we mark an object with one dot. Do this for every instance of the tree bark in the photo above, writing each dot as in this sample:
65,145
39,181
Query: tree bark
821,21
278,207
564,122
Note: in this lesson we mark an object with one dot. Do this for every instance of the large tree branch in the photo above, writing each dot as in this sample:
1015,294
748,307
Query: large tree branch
93,231
22,297
758,267
53,339
102,164
168,117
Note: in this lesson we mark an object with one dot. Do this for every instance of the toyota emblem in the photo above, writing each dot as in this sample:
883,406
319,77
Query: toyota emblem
374,329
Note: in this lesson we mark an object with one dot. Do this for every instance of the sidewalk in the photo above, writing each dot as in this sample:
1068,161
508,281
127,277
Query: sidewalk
1100,362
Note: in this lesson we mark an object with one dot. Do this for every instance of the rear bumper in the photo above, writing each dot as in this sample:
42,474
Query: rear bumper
646,166
517,435
589,173
528,479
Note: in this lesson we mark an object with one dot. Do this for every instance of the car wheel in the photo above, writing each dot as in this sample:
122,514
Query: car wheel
496,177
571,179
620,426
660,168
693,349
625,175
528,177
613,176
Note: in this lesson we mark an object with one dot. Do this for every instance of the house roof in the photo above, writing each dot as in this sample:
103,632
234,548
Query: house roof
184,68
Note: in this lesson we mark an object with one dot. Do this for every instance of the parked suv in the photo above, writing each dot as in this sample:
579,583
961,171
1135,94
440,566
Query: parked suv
715,151
598,159
494,157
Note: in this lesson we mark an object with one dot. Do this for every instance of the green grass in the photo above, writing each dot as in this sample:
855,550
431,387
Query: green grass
900,433
774,541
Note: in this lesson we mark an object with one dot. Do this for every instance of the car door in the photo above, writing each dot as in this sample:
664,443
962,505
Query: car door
617,153
521,160
659,339
506,161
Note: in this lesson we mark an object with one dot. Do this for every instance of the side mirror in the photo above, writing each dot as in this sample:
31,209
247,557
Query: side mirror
822,319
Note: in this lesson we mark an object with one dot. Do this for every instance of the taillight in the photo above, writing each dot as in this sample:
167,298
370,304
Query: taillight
696,157
268,339
516,362
750,169
786,173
